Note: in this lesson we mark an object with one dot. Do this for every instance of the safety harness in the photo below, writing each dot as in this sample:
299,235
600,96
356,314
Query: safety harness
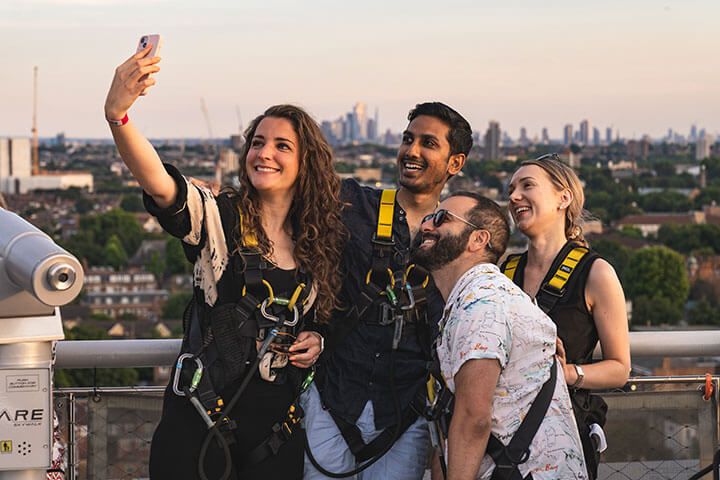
551,291
400,296
219,346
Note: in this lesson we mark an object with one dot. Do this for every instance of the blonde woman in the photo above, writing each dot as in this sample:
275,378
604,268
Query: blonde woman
574,286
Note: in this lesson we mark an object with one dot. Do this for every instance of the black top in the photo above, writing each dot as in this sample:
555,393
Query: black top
359,368
176,444
575,324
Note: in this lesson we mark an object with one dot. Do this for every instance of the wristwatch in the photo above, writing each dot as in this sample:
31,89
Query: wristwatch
580,376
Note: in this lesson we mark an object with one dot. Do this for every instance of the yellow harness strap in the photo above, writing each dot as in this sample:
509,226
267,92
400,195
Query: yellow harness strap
511,265
249,240
566,268
385,215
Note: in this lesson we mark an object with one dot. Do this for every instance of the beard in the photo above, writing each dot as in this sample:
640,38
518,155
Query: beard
446,249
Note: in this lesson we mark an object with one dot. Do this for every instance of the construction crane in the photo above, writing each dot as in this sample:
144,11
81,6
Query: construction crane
35,140
204,109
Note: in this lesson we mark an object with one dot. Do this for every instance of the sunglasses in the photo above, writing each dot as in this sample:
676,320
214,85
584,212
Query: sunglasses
441,216
548,156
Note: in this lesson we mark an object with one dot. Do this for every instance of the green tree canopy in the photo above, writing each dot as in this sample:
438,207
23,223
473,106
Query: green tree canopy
688,238
615,253
656,273
175,260
655,311
665,201
132,203
96,230
114,253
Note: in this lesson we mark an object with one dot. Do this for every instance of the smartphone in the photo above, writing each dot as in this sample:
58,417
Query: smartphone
156,41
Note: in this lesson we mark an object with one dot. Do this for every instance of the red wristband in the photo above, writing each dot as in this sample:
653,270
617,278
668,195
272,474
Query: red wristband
118,123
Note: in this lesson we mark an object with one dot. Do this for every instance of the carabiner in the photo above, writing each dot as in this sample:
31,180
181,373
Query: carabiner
178,370
271,293
270,316
411,299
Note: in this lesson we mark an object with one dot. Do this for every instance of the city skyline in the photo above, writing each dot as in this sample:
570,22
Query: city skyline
640,68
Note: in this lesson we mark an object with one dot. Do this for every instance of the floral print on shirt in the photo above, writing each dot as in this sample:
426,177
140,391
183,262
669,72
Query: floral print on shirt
489,317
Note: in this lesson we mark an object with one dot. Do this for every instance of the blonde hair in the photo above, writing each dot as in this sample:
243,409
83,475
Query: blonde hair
563,177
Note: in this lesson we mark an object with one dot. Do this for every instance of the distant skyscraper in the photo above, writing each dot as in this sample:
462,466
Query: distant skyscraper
371,130
524,141
360,121
492,141
608,136
596,136
568,134
702,147
585,132
350,130
545,137
693,133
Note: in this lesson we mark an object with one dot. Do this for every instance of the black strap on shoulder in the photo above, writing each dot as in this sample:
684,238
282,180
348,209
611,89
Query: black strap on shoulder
563,274
508,457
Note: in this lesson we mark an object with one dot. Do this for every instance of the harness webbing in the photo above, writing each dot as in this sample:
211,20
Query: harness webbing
385,215
567,262
508,457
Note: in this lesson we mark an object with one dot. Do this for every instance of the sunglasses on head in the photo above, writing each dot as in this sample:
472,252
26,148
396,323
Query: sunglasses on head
548,156
442,215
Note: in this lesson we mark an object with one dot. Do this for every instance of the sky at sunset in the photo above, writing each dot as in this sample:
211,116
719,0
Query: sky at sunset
640,66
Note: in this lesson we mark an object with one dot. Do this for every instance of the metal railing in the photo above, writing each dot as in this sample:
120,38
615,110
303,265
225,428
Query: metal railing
658,427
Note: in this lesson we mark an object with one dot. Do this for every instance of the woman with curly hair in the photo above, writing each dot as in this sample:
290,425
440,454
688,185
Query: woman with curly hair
266,275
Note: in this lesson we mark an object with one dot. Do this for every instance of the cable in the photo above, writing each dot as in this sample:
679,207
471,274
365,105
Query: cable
368,463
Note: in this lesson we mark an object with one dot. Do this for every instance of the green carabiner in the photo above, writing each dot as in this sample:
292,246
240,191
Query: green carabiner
308,380
391,295
196,379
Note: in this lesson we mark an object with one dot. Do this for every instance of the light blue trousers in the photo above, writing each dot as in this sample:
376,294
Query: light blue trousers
405,461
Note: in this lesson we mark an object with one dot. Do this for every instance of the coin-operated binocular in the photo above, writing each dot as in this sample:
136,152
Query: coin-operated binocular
36,277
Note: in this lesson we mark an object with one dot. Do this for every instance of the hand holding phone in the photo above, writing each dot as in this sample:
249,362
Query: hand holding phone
131,78
155,40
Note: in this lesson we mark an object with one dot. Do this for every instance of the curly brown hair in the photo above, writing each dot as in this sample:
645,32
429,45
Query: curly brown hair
315,214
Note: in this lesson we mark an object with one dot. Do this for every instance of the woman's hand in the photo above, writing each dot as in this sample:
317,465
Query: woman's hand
130,80
308,347
568,369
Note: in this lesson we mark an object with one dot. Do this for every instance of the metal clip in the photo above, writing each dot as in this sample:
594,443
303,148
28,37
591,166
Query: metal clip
270,316
178,370
411,298
397,335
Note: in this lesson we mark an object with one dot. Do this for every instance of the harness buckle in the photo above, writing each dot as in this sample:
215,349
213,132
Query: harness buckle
178,371
550,290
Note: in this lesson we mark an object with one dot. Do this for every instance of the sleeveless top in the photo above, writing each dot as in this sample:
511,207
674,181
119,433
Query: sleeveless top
575,323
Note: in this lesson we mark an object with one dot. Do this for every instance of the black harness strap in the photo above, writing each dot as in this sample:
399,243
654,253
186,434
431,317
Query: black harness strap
365,451
508,457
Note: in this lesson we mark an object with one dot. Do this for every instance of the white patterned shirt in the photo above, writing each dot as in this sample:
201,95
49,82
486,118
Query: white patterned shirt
487,316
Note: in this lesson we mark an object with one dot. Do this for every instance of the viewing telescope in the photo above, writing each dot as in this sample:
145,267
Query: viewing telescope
36,277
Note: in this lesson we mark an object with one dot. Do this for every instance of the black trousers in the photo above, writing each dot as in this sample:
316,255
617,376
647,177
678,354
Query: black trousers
176,444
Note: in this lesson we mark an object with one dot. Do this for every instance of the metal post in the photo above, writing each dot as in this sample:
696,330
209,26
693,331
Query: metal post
72,439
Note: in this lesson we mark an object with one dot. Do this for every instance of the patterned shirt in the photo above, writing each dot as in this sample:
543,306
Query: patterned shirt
489,317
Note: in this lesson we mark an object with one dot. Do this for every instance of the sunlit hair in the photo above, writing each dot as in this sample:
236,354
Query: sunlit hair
563,177
315,213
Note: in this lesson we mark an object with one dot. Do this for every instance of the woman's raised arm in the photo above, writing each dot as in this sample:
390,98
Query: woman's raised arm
130,80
